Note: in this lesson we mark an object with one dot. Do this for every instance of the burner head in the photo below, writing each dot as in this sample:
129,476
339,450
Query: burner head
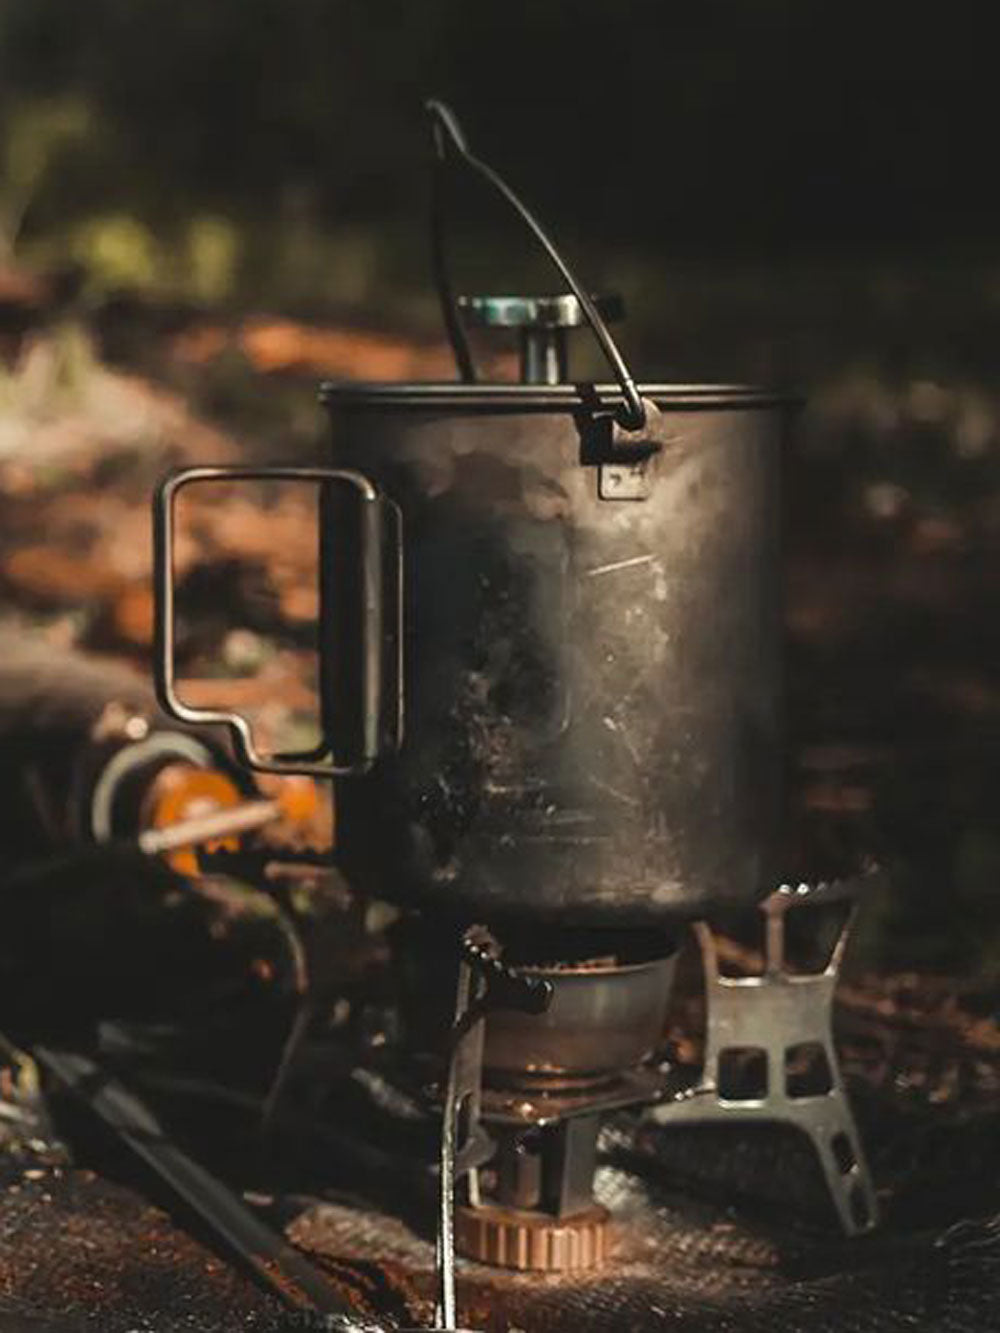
547,1079
605,1017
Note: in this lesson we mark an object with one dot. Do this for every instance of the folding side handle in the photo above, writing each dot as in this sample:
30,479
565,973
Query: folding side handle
373,718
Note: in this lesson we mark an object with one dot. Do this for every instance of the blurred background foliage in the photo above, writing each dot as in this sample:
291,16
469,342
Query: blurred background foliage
274,148
793,190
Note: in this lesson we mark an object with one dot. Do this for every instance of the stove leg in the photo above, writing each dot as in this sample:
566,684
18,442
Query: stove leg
769,1053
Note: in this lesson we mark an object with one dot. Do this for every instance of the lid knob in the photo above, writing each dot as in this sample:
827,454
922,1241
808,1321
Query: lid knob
542,322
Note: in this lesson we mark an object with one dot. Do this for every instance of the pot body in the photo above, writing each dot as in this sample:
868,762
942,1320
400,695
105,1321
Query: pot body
592,683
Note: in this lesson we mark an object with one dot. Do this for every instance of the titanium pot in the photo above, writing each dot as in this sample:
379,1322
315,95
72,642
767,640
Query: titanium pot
592,627
574,593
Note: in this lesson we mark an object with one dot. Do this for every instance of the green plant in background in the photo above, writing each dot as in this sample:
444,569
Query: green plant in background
35,137
210,256
117,251
54,376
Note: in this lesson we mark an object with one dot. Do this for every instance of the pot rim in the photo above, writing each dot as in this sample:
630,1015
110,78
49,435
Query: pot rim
590,970
432,395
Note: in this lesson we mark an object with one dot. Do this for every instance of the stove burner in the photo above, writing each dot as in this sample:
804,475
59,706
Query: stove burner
535,1081
527,1084
604,1017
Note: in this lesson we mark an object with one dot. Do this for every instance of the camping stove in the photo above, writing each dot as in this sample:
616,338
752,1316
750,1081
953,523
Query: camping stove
572,591
540,1053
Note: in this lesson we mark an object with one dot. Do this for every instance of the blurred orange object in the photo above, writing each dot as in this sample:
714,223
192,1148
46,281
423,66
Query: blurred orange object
182,791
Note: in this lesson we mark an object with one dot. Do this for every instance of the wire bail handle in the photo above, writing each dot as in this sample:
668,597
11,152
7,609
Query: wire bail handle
448,139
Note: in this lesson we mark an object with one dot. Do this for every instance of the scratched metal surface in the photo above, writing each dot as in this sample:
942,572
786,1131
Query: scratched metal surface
583,741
